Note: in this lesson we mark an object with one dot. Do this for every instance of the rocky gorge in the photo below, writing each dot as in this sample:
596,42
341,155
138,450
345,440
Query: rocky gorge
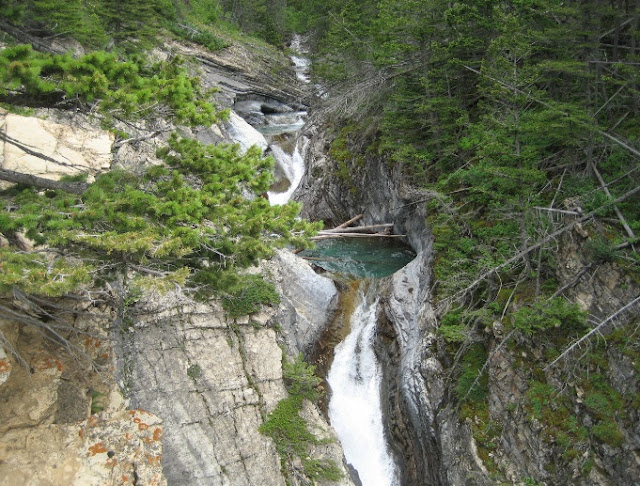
188,388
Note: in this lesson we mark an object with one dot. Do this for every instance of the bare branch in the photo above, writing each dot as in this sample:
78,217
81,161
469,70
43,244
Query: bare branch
598,329
625,225
22,36
541,242
137,139
30,151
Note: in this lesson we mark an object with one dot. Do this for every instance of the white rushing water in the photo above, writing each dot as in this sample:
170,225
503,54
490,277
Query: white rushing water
355,408
291,167
301,62
267,122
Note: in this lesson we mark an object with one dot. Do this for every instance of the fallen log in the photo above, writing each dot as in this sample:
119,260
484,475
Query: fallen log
357,229
354,235
349,222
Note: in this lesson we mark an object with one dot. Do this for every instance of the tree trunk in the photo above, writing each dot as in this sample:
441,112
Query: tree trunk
35,181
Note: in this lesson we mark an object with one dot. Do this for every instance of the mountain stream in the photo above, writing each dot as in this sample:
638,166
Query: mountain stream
355,376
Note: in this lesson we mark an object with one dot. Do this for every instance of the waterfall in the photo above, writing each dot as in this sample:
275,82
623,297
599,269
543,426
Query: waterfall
291,168
268,122
301,62
355,409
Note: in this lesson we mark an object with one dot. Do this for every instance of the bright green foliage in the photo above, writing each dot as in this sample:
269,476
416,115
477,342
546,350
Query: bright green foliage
124,89
243,294
472,363
193,214
290,431
550,314
41,274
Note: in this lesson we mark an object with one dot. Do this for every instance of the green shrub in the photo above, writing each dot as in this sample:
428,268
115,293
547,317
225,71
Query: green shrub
289,431
601,249
454,333
472,364
194,371
608,432
548,314
199,36
244,294
300,378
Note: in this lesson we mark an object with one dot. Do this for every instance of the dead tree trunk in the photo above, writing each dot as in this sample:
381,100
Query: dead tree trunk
35,181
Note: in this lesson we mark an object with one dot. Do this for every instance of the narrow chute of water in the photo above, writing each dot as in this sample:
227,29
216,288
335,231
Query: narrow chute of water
355,408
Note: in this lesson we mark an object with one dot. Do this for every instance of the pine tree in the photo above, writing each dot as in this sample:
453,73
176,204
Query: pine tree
129,21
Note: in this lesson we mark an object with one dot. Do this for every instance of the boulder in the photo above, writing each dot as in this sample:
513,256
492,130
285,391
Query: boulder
51,150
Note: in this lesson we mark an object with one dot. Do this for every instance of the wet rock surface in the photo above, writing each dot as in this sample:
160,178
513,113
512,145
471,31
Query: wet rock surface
308,301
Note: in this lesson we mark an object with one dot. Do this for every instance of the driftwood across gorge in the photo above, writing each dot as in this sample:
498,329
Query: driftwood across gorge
345,230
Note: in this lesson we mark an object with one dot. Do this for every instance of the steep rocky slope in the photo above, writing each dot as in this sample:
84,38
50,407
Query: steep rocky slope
182,389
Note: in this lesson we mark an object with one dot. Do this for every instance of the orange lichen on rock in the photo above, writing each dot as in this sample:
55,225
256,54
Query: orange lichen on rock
142,426
154,460
47,363
5,366
92,342
98,448
157,434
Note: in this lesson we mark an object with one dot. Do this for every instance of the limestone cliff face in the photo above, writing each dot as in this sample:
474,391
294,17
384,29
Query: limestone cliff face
62,423
212,381
48,149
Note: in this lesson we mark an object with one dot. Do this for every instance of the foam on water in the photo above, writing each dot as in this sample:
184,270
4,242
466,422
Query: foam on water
292,167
